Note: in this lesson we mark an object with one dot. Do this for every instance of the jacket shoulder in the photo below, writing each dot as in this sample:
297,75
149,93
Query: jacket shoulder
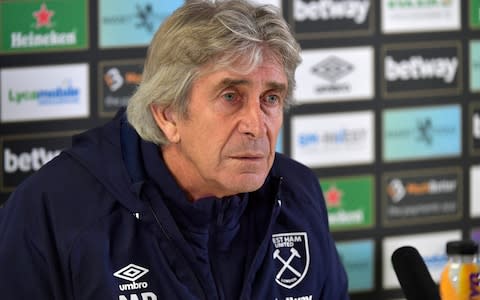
298,181
291,170
62,194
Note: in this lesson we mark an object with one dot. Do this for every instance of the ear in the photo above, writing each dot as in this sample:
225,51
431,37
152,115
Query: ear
167,121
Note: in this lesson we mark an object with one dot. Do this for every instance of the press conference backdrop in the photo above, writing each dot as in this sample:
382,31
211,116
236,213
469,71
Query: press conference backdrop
388,112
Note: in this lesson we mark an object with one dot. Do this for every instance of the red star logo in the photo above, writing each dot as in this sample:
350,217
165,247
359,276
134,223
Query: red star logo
43,16
333,197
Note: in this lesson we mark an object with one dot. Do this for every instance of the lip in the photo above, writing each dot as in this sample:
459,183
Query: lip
248,156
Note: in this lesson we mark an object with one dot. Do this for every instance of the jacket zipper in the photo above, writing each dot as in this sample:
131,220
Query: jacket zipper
247,285
172,242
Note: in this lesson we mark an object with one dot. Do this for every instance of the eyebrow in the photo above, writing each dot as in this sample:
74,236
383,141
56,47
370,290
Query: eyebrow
234,82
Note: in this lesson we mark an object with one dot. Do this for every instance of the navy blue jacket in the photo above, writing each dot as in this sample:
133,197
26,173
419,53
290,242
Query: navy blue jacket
106,220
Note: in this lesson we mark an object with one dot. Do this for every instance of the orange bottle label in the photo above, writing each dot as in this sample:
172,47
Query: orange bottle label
466,286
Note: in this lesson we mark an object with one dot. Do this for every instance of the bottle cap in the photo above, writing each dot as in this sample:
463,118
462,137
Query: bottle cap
466,247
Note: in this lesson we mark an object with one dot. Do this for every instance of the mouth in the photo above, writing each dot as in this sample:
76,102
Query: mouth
249,156
248,159
252,163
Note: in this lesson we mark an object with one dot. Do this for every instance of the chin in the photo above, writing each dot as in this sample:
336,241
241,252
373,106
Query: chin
248,183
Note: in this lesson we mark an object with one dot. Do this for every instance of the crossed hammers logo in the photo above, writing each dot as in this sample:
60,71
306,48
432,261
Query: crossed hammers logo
286,263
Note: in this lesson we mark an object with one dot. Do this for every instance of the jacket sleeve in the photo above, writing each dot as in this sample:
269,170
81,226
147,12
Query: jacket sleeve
336,285
28,260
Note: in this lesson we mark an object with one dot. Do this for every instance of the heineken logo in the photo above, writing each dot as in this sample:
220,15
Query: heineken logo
43,16
30,26
53,38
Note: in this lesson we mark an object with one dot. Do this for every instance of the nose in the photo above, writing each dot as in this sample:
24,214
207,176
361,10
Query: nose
252,120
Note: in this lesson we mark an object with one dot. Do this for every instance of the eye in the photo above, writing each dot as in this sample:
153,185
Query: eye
230,96
272,99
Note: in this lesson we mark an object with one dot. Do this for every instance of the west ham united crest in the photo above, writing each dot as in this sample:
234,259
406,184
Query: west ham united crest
291,256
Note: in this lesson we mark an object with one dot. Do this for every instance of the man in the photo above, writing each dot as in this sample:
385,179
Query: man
182,196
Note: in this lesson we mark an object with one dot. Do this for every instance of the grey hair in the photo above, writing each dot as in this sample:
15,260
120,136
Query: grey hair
202,32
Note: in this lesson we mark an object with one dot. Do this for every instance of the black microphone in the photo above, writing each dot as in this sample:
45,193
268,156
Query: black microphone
413,275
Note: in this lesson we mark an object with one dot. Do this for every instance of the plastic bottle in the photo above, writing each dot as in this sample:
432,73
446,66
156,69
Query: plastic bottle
460,277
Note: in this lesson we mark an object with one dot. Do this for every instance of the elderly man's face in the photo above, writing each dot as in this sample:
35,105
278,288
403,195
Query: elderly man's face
227,144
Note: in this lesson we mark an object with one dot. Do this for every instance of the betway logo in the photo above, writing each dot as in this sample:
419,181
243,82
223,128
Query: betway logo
27,161
417,67
356,10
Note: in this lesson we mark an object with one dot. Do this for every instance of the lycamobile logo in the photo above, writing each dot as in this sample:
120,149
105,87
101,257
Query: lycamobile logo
59,95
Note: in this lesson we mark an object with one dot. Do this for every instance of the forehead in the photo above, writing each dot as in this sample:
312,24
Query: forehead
267,71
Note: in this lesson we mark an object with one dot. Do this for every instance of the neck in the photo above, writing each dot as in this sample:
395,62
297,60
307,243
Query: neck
189,181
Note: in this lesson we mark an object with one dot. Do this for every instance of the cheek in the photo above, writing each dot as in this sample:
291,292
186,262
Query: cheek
275,126
208,146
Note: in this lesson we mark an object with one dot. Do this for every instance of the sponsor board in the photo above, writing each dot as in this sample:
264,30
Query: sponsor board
118,81
44,93
22,155
431,246
475,234
400,16
474,14
475,191
276,3
350,202
37,26
475,66
426,132
421,69
279,144
422,196
334,139
318,19
335,74
474,138
358,259
125,23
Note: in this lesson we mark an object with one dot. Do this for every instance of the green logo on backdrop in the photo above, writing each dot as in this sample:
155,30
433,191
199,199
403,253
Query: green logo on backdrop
349,201
417,4
475,65
33,26
475,14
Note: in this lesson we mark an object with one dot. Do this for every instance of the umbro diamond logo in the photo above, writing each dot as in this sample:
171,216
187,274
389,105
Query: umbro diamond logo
137,290
332,68
131,272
